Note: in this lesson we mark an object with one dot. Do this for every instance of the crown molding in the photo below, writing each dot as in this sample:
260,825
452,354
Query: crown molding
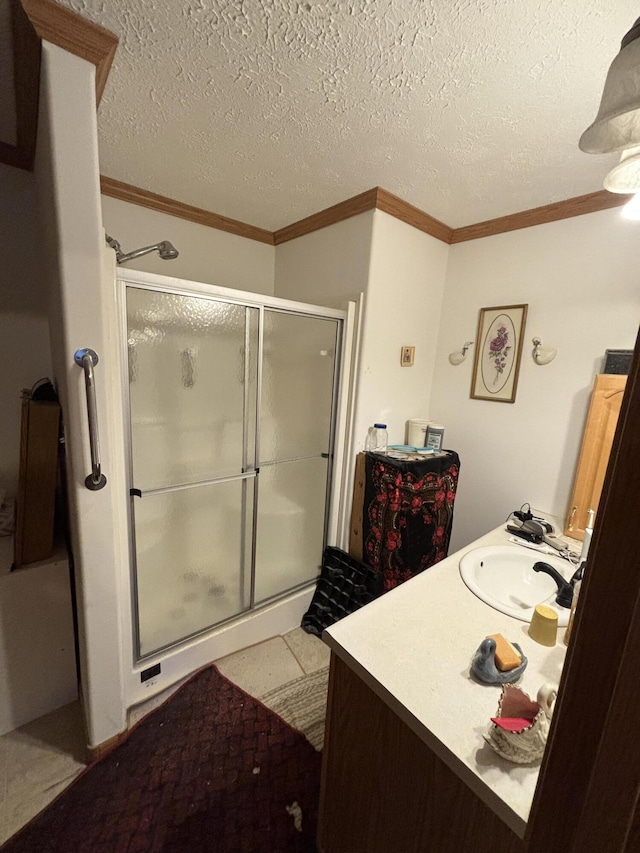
577,206
329,216
75,34
373,199
144,198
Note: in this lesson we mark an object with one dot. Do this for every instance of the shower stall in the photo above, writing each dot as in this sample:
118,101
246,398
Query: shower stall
231,414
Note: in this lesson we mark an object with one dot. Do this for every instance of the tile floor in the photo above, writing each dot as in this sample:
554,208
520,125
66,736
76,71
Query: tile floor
39,760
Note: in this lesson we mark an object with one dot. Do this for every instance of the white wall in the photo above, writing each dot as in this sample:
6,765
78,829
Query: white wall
580,279
81,313
37,650
206,254
401,271
24,331
403,304
328,267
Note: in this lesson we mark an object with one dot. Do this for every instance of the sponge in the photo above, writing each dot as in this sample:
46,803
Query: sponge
507,656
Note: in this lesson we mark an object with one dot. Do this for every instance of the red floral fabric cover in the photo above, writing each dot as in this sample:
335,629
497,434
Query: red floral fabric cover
408,513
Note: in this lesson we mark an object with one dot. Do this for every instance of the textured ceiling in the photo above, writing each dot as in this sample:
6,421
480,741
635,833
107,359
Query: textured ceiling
270,110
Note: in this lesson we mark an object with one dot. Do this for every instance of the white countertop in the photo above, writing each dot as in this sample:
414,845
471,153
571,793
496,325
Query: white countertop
413,647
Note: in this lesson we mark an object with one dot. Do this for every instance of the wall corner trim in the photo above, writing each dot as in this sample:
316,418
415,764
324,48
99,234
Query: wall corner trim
70,31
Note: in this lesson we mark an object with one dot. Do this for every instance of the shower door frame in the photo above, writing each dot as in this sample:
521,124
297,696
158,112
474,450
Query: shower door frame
338,444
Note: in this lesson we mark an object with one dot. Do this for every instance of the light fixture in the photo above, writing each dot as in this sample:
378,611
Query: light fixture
631,210
458,357
540,355
625,177
617,125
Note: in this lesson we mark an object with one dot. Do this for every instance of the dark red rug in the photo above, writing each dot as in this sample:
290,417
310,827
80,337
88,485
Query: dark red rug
210,770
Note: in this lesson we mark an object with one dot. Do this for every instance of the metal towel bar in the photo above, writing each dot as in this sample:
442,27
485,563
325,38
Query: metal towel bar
87,359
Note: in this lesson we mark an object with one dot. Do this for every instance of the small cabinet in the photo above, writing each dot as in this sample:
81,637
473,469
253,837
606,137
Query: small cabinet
402,513
383,789
599,431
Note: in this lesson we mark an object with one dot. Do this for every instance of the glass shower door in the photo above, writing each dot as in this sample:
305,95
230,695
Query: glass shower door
193,371
296,410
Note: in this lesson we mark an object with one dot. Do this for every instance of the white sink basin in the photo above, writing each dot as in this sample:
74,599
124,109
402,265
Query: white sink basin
503,577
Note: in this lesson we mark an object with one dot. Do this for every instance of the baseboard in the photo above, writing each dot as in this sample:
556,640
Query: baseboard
102,749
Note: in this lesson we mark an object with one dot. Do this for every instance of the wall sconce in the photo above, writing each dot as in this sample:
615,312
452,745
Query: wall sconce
540,355
631,210
625,177
458,357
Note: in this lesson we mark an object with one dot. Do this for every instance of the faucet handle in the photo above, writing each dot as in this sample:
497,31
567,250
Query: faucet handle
579,573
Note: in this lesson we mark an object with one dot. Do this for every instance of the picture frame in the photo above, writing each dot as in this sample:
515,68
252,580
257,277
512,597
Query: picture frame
498,352
407,355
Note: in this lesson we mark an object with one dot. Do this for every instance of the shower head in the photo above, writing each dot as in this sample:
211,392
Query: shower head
165,249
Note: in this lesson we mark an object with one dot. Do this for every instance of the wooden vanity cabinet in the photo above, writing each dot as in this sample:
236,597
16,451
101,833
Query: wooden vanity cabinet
384,790
599,431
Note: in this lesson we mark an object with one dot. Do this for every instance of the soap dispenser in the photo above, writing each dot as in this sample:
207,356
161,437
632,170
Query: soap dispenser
574,603
588,533
576,580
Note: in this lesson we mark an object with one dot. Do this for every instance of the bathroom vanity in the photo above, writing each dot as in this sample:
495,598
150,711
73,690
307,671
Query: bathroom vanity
405,765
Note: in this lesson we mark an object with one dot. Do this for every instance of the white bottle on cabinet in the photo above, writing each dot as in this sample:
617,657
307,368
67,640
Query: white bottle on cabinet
377,439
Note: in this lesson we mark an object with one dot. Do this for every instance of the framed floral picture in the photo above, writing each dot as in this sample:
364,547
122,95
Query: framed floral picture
498,351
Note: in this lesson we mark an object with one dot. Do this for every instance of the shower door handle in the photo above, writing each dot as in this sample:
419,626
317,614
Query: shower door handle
87,359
